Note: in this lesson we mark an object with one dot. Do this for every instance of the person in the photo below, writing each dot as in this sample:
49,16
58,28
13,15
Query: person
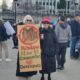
63,33
25,75
54,23
77,47
48,43
75,31
3,42
14,37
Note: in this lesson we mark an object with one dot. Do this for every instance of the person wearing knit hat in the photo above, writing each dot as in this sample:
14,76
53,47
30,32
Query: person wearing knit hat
48,44
46,20
63,33
75,29
61,19
25,75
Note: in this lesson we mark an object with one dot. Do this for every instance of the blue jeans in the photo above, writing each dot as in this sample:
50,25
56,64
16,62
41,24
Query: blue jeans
73,44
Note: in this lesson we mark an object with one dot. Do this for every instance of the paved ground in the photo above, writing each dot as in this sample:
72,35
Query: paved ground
8,69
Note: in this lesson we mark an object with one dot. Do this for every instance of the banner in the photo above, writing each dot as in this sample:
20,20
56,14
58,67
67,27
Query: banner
29,48
9,28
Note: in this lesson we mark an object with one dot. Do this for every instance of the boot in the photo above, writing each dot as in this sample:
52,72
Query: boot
42,78
49,78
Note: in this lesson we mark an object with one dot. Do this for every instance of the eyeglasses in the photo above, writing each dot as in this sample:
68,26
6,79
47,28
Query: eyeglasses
46,23
29,20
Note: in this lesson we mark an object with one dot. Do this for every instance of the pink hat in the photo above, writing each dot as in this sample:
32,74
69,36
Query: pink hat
46,19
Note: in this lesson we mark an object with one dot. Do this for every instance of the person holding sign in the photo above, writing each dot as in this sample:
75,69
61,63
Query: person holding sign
48,47
27,74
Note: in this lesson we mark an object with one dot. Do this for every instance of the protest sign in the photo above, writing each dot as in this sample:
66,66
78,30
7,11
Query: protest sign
9,28
29,48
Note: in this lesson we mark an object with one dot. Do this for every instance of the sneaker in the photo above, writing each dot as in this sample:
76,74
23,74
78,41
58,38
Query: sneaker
62,68
8,60
59,67
72,57
0,60
15,47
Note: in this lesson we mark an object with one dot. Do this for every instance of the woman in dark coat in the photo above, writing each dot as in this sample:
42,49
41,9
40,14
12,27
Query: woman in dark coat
48,47
24,75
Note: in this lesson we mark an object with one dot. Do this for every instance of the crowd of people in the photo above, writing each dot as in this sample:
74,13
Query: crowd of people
54,40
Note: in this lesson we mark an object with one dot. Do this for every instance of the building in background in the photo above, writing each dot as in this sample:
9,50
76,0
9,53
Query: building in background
22,5
48,6
74,4
43,6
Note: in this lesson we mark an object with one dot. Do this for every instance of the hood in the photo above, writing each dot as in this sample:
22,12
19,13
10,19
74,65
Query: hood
63,25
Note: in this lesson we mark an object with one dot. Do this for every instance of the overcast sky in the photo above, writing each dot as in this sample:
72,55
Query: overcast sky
9,2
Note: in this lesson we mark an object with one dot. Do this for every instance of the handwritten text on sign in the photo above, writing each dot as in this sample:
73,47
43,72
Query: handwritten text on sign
29,48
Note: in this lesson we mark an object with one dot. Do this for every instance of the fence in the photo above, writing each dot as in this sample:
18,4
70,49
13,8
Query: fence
37,14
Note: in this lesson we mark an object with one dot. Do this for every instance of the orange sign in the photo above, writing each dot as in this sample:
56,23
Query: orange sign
29,48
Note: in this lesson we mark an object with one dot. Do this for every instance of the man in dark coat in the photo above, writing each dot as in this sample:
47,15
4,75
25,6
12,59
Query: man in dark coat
75,33
49,49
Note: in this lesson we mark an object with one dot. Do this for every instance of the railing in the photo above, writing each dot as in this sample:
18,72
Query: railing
40,13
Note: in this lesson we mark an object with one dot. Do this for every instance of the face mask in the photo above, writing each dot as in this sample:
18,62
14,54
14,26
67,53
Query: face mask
42,26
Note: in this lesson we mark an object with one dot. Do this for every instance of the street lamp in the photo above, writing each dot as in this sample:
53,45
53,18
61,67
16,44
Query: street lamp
15,2
67,6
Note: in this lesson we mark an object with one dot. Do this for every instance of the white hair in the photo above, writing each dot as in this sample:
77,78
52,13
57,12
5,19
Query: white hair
28,17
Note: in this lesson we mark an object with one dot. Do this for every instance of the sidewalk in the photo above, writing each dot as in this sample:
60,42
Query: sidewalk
8,69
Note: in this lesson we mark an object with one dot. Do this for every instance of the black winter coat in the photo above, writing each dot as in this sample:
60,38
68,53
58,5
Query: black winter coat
79,30
74,28
3,34
49,49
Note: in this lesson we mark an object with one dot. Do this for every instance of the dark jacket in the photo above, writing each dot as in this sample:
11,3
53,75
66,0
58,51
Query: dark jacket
49,49
74,28
79,30
3,34
15,28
